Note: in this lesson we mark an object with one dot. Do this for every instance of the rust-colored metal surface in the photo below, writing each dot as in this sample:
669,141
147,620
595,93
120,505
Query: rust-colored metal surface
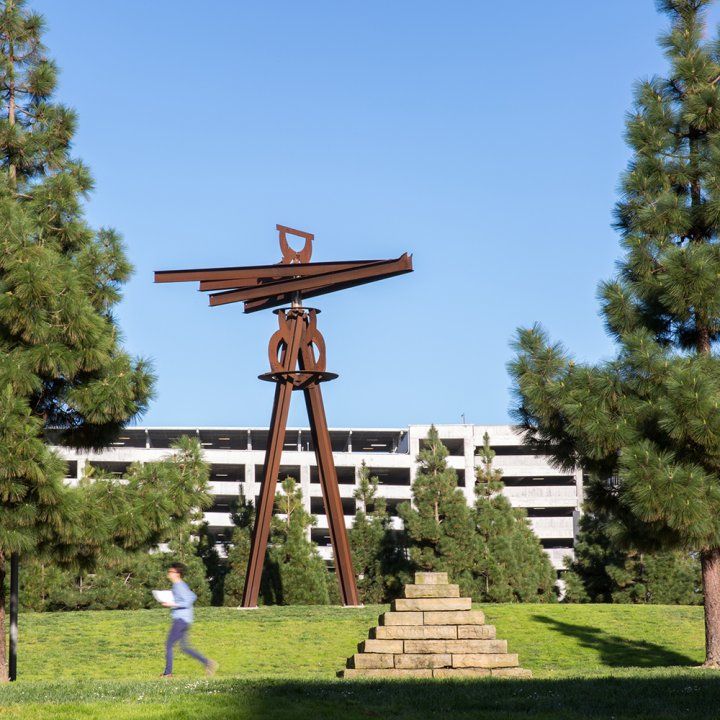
296,354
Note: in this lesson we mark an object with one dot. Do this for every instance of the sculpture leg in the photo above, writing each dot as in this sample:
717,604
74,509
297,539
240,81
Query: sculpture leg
331,495
276,438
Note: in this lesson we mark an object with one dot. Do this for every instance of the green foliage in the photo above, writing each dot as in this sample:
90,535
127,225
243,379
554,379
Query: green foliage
649,417
604,572
439,524
157,503
376,553
294,572
511,564
61,362
238,552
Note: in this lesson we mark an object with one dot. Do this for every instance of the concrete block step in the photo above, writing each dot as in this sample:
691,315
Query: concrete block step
389,673
460,617
461,672
475,632
431,604
381,646
371,661
485,660
423,661
420,632
432,591
456,647
403,618
431,578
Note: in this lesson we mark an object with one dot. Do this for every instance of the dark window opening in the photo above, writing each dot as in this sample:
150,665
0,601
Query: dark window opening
550,512
454,446
227,473
165,438
318,508
554,480
391,476
549,543
345,475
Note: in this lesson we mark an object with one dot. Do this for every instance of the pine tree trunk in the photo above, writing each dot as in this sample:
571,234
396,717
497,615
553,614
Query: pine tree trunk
710,560
3,642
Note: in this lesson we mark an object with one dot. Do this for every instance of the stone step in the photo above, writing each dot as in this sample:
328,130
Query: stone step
460,672
449,673
383,646
511,672
387,673
431,604
403,618
453,646
432,591
423,661
485,660
374,661
461,617
475,632
431,578
420,632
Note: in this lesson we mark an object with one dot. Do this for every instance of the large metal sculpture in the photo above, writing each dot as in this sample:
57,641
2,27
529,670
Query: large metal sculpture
297,362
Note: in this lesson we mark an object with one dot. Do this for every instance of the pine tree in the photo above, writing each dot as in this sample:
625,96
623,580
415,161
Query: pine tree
512,565
439,525
238,552
61,364
377,557
111,556
646,425
295,573
604,572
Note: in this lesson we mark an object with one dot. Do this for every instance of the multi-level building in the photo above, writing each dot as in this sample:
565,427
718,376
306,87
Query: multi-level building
552,498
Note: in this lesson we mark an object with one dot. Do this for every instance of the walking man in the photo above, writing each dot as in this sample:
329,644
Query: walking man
182,617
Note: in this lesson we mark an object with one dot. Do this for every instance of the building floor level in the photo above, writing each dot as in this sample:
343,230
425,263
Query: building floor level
551,497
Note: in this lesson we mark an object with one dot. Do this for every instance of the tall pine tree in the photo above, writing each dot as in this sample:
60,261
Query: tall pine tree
377,556
238,552
61,364
295,572
512,565
646,425
439,525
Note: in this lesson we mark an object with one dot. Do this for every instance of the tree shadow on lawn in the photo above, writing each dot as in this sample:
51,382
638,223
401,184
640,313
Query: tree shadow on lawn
692,696
616,651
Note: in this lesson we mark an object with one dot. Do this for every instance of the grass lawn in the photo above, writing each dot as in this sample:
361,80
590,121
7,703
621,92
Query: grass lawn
589,661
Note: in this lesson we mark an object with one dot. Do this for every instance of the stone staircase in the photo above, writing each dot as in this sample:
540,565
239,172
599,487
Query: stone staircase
433,632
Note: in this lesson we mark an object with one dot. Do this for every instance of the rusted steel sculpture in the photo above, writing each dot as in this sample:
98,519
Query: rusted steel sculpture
297,362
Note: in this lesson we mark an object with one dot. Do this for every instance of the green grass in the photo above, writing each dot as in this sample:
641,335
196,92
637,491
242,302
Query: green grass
591,661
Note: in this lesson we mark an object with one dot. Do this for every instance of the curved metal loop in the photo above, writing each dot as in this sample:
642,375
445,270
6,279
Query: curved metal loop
315,342
279,343
289,255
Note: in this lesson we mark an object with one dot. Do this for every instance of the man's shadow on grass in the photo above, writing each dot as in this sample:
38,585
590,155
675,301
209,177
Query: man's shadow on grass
616,651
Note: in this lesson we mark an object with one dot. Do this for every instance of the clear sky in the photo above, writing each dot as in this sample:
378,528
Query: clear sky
484,137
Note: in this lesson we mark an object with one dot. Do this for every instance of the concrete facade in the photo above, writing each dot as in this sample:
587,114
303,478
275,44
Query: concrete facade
552,498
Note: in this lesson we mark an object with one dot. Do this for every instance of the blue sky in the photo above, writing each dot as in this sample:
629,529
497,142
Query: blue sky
484,137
